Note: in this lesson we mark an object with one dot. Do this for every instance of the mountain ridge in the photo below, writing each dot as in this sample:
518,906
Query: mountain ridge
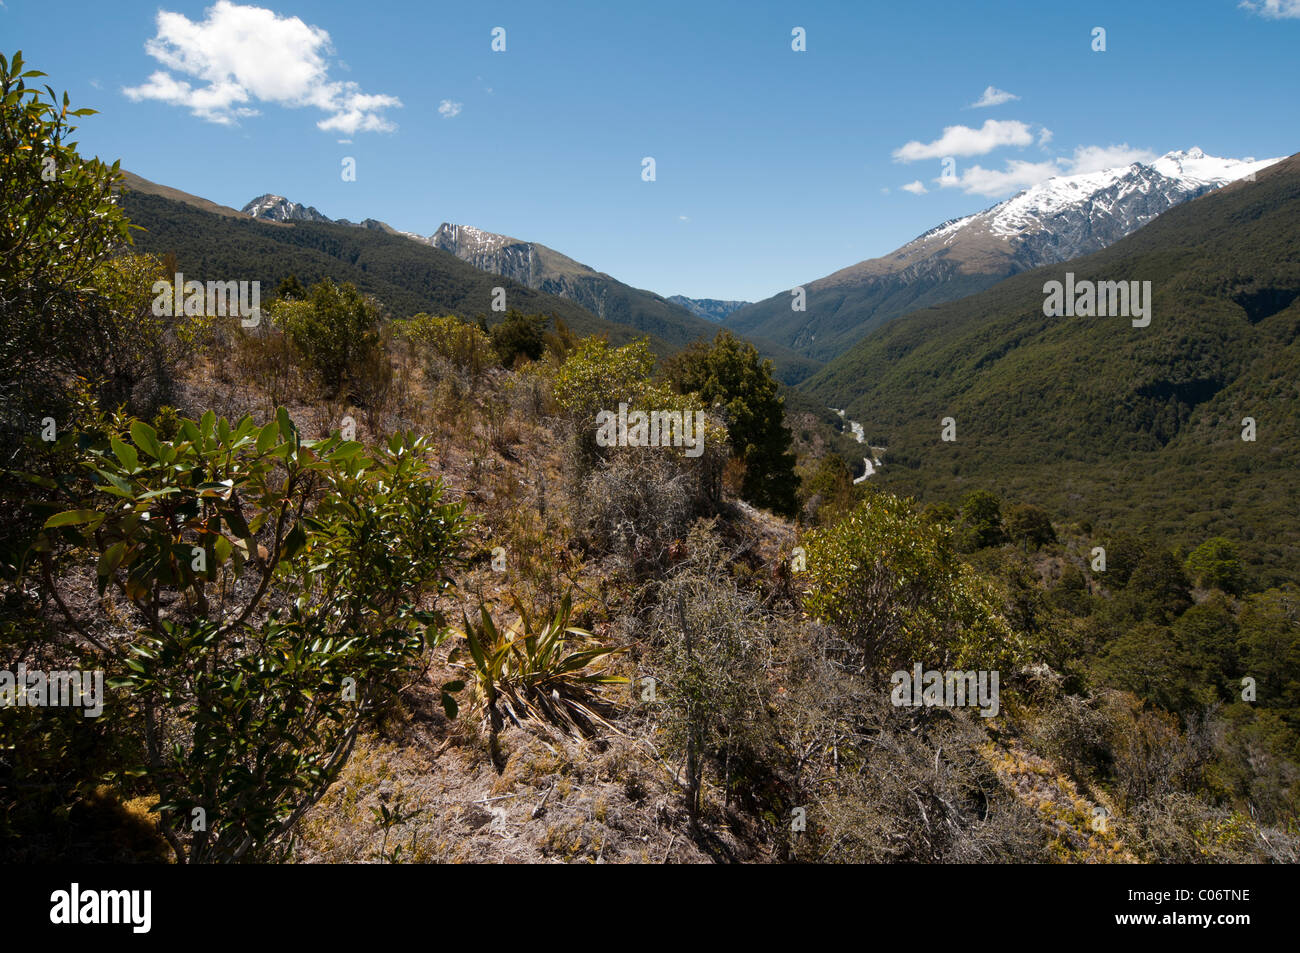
1057,220
544,269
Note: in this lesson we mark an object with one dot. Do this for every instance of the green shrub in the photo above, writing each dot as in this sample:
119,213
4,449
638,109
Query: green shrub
465,345
251,696
519,335
1217,564
1029,525
980,525
728,374
890,580
336,329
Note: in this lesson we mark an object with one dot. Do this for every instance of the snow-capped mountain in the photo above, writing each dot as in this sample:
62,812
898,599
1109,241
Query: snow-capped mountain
1055,221
537,267
1086,212
488,251
277,208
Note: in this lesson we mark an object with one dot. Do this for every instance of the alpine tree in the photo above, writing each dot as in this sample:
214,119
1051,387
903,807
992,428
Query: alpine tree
728,374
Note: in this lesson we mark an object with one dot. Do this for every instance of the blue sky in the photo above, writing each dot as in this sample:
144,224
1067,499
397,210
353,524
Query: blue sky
772,167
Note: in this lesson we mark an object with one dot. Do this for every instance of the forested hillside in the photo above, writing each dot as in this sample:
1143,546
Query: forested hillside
408,277
1123,427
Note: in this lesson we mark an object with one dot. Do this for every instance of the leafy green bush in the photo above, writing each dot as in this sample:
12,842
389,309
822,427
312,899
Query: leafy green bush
828,490
891,582
1029,526
597,377
465,345
68,307
980,522
519,335
1216,564
728,373
260,597
336,329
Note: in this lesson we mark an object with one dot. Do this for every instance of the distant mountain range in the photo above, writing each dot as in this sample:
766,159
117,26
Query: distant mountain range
1060,219
215,241
273,237
544,269
1133,428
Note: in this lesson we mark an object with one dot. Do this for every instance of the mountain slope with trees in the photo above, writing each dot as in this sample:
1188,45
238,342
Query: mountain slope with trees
408,277
1111,423
1060,219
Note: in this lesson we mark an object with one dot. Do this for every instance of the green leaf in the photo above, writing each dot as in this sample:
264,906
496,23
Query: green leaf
111,559
72,518
163,491
449,705
126,454
294,542
235,520
266,437
284,422
146,438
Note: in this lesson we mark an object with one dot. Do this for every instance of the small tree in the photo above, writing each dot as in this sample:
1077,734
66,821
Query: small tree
463,344
1216,564
335,329
596,377
981,522
729,374
828,489
250,696
291,289
1030,526
519,335
890,581
58,208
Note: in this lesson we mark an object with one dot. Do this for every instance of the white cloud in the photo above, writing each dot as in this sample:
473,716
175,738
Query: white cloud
240,55
1274,9
993,97
1019,174
448,110
1044,137
1096,158
916,188
965,141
